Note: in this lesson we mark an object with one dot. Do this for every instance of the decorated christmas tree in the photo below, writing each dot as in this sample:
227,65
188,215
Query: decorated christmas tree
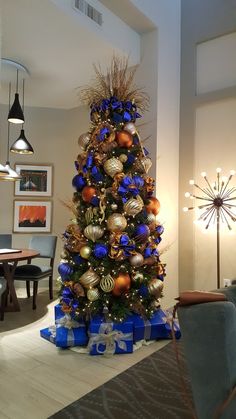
110,262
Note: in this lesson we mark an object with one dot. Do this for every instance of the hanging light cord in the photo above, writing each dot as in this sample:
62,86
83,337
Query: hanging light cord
17,71
8,127
23,101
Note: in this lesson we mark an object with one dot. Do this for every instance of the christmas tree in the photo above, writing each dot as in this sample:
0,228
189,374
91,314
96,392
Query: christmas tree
110,261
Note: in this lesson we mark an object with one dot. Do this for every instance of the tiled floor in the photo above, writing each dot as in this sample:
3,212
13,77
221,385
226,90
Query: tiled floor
36,378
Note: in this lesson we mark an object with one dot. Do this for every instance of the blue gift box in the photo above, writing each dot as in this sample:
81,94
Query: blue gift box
110,338
69,332
149,329
49,333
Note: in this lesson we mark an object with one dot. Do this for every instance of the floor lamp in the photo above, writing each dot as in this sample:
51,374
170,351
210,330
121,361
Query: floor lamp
218,206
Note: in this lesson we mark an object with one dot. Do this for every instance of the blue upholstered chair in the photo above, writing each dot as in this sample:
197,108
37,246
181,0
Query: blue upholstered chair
5,241
46,245
209,340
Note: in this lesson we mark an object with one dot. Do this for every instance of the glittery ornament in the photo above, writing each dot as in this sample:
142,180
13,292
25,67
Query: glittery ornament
93,232
151,218
141,233
122,284
155,304
84,140
143,164
123,158
88,193
93,294
113,166
153,206
124,139
138,277
133,206
116,222
130,127
107,283
89,215
155,287
85,252
114,206
89,279
65,270
136,260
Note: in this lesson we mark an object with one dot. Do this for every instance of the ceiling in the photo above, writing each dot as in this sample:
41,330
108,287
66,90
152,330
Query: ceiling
57,50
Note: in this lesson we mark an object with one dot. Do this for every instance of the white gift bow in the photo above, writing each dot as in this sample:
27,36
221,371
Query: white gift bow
70,324
109,337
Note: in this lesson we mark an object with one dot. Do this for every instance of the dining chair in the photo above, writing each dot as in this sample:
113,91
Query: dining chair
3,295
5,241
46,246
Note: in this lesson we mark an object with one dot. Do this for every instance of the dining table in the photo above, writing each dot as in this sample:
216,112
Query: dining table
9,262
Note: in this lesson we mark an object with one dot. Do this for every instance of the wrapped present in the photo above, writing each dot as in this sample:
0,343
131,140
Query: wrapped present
70,332
110,338
49,333
149,329
168,319
58,311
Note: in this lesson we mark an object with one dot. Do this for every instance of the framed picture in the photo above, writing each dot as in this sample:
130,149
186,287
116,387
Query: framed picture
32,216
36,180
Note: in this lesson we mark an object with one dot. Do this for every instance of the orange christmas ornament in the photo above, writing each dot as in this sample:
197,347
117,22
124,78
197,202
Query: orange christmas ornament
122,284
87,193
124,139
153,206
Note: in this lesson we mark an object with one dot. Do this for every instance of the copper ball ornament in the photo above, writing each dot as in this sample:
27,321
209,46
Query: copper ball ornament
88,193
116,222
153,206
85,252
122,284
136,260
124,139
130,127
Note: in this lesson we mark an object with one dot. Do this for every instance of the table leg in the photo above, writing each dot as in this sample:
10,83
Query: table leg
9,271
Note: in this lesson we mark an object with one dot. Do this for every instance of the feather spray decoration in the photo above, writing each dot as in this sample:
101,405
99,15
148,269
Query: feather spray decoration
118,81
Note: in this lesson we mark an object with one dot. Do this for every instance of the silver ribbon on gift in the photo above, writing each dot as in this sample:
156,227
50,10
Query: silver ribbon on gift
52,330
147,329
109,338
169,319
70,324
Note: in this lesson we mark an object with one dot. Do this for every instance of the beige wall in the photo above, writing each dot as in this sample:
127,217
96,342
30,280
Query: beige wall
53,134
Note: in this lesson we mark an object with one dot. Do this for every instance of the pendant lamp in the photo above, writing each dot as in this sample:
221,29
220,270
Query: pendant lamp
11,174
22,145
16,115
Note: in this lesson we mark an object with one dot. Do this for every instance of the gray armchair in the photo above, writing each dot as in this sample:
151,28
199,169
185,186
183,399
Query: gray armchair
209,340
46,245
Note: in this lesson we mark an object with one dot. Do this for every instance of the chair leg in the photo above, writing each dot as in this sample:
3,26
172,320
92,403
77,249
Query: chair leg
28,288
3,305
50,288
35,290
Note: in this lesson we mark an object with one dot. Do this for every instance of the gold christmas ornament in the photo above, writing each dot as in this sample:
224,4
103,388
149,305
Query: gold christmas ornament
155,304
89,215
85,252
84,140
116,222
89,279
107,283
143,164
155,287
93,294
136,260
133,206
151,218
130,127
123,158
93,232
138,277
114,206
113,166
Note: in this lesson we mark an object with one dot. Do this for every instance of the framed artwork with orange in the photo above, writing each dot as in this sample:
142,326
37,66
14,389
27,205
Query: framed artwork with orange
32,216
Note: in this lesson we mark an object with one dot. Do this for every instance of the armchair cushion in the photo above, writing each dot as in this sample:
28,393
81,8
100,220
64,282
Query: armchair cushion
31,272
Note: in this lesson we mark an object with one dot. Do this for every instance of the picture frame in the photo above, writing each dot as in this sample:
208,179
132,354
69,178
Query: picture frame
32,216
36,180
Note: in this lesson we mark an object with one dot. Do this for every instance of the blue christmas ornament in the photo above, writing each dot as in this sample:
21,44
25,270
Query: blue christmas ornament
127,117
141,233
130,160
65,271
75,304
78,259
143,291
100,250
66,292
95,201
78,182
66,300
117,118
160,229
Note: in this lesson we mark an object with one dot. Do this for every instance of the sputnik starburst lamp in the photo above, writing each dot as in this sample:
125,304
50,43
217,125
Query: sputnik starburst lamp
218,205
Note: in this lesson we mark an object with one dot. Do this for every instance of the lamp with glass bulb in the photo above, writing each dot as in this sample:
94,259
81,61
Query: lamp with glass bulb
16,115
22,145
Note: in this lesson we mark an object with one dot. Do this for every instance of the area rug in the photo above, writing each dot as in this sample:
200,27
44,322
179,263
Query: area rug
150,389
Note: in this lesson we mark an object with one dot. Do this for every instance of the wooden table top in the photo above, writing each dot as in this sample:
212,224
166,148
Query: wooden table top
22,255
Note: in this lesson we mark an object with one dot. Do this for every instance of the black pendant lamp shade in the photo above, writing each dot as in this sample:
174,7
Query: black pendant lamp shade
16,115
22,145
